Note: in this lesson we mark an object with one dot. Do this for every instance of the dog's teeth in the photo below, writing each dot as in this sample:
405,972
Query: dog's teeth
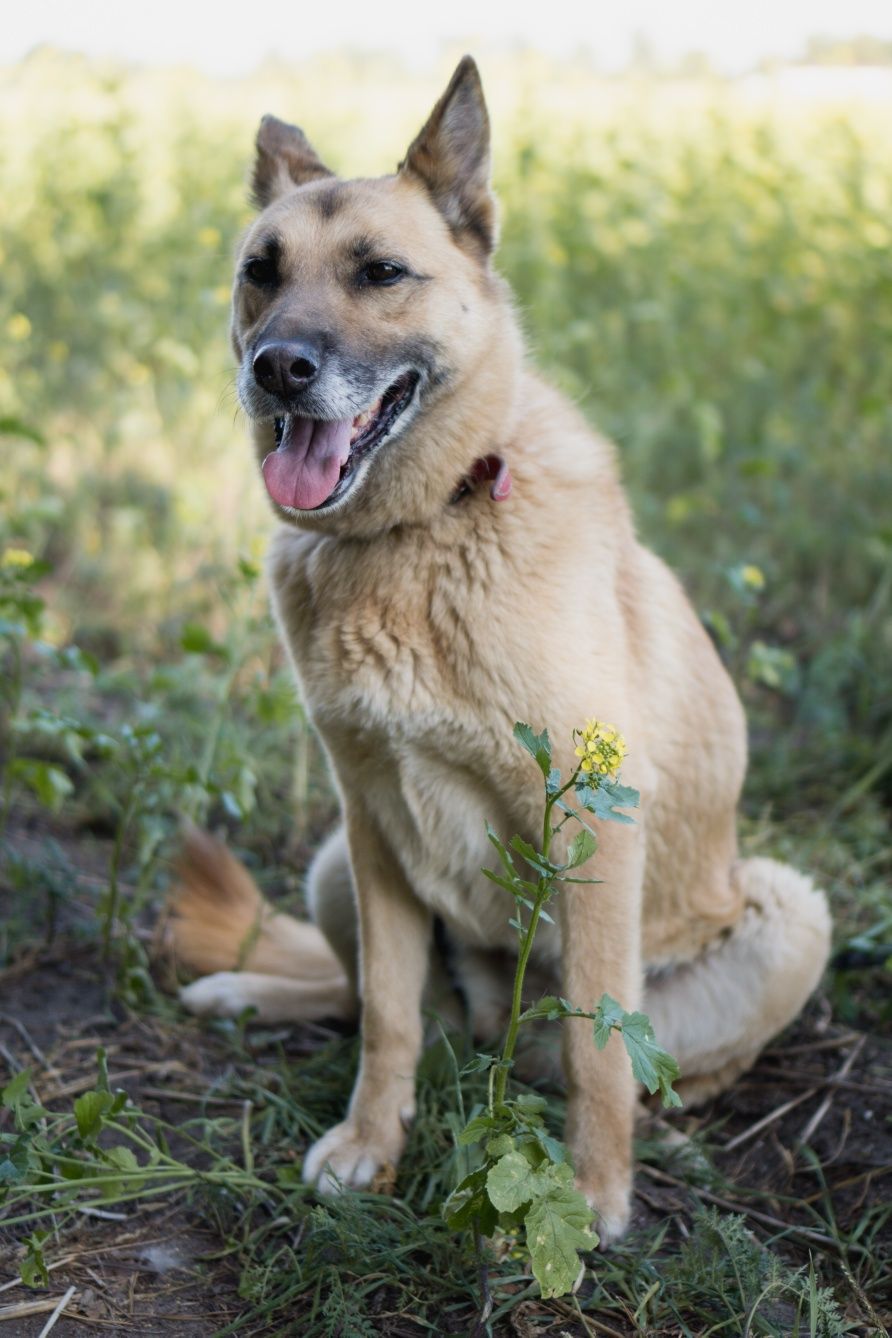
362,420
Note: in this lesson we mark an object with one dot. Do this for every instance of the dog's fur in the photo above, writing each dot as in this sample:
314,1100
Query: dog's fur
423,618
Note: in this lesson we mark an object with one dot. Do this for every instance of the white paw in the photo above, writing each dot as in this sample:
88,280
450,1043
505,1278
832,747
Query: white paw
346,1159
611,1211
220,995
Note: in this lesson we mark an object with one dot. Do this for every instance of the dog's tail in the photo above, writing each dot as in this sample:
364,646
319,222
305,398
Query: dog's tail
221,923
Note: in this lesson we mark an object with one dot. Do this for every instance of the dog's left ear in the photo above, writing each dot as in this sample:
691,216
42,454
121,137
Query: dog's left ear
285,159
451,157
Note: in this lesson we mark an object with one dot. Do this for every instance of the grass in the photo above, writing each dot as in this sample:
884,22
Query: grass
712,283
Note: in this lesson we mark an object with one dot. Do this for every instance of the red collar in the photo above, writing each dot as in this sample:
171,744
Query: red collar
488,467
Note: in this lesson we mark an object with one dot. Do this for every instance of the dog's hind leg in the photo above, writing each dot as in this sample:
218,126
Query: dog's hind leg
331,901
715,1013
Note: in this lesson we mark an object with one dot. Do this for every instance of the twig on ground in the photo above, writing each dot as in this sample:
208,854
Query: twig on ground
57,1312
806,1047
22,1309
88,1082
874,1173
832,1080
816,1119
816,1237
25,1035
777,1114
198,1098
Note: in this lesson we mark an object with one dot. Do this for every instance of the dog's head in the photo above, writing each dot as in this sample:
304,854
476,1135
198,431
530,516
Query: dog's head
376,346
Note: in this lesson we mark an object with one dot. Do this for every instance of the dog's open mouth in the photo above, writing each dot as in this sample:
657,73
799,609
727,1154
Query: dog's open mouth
316,457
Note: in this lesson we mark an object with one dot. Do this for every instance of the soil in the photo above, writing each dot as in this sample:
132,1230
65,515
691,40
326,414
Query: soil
137,1272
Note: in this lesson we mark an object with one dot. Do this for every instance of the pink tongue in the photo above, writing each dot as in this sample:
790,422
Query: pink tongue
304,471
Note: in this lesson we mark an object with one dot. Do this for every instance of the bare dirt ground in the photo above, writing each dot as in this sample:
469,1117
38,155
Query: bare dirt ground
140,1272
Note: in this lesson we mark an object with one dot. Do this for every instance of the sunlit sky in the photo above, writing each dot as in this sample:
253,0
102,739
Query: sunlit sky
232,38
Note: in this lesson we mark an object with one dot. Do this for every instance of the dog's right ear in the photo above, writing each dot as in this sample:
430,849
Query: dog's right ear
285,159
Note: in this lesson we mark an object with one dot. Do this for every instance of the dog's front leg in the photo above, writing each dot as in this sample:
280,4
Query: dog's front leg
601,949
394,935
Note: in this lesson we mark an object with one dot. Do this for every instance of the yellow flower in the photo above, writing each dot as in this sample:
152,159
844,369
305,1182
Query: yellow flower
602,749
18,327
752,577
16,557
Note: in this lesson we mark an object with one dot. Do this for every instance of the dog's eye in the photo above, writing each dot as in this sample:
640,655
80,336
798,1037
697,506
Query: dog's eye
382,272
261,271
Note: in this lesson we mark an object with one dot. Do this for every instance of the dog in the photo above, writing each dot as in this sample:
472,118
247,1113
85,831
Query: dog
456,553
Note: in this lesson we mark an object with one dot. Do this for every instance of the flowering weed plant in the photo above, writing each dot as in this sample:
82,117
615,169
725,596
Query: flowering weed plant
524,1177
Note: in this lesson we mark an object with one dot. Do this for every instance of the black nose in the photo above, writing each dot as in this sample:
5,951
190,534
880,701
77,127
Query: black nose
286,367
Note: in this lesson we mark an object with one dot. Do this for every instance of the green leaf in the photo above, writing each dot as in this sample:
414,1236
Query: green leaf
17,1098
557,1226
477,1129
477,1064
533,856
197,640
499,1146
608,1018
553,1149
469,1204
102,1067
513,1182
507,862
15,1090
122,1158
33,1267
530,1103
72,657
549,1007
15,427
606,797
537,745
16,1161
89,1112
651,1064
509,884
582,847
49,783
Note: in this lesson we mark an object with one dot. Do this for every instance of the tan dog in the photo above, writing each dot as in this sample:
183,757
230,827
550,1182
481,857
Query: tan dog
457,553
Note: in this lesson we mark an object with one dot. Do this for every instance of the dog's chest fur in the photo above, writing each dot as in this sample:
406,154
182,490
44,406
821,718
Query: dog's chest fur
415,709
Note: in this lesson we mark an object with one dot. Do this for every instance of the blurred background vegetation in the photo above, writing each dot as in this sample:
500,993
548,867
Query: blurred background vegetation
708,274
707,271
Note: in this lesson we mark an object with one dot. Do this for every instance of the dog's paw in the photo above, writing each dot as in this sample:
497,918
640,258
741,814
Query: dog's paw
344,1158
219,995
611,1210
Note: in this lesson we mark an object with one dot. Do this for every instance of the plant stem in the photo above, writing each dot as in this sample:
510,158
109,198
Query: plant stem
14,700
111,909
526,946
516,1001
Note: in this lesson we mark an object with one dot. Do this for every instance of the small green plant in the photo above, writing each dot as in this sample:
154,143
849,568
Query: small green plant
524,1178
102,1151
